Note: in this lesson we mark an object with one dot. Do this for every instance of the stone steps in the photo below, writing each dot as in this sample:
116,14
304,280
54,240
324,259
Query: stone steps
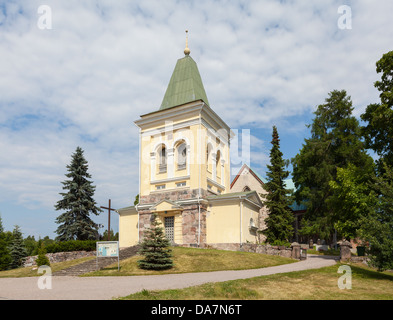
96,264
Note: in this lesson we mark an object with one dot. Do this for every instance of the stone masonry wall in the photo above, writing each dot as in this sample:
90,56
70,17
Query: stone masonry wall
250,247
172,195
190,223
60,257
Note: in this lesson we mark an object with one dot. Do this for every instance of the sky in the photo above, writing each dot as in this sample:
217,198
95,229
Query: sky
79,73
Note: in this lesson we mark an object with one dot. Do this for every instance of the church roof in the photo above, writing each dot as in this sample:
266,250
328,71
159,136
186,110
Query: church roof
289,184
185,85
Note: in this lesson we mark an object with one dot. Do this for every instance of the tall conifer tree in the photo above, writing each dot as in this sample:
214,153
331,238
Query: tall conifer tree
335,142
279,221
78,203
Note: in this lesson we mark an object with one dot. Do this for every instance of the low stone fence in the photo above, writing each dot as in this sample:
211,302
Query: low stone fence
292,252
60,257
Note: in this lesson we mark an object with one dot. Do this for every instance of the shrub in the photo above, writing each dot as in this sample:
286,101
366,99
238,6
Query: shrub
42,259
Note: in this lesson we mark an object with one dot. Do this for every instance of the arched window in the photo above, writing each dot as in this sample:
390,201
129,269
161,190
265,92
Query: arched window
246,188
162,159
208,160
218,165
182,156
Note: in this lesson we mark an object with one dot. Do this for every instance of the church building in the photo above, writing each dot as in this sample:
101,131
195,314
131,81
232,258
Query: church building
184,171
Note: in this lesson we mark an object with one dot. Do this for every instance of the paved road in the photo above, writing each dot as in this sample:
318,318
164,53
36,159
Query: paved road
100,288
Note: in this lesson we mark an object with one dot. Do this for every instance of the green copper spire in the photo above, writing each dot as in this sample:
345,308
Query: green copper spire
185,84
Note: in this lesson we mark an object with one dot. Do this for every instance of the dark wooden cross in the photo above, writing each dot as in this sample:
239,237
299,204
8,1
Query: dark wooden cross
109,217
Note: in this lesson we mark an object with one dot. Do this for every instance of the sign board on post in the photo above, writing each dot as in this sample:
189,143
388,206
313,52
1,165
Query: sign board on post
108,249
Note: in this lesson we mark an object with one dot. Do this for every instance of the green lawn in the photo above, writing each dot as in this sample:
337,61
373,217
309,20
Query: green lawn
319,284
198,260
32,271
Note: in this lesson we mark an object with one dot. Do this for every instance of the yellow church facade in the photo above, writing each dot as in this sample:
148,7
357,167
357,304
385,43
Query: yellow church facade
184,172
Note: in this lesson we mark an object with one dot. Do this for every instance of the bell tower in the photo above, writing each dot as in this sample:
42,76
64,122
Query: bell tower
184,156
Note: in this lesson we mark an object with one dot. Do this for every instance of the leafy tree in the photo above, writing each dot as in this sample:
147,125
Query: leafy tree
155,248
335,142
377,227
378,132
31,245
17,249
5,257
279,221
42,259
136,201
78,203
113,236
351,200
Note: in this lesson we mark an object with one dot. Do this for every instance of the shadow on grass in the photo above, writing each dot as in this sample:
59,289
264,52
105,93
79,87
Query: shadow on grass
364,273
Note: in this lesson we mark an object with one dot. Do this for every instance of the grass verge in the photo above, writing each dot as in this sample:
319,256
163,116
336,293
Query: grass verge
317,284
32,271
197,260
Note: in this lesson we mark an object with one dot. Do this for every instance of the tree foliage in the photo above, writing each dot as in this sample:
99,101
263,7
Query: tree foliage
378,131
17,249
42,259
351,200
155,248
377,227
279,221
5,256
335,142
78,203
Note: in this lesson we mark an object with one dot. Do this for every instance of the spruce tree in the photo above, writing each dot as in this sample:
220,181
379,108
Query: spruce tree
17,249
155,248
280,219
78,203
335,142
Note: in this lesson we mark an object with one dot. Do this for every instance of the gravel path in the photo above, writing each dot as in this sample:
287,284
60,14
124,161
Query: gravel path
100,288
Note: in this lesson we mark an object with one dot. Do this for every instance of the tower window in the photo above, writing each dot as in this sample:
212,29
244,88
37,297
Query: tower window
162,160
182,156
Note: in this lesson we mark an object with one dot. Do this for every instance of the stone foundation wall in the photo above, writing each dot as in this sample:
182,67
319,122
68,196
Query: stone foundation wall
172,195
250,247
60,257
190,223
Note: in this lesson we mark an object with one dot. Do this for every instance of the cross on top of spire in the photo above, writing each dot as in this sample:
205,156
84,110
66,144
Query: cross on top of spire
187,50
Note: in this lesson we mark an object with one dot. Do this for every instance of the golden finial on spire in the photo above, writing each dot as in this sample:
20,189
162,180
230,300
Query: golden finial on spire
187,50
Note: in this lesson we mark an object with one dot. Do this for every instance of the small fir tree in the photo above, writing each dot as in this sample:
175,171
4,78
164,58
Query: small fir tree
17,249
78,203
155,248
279,222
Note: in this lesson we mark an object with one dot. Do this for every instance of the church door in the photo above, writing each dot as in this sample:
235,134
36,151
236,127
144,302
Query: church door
169,228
